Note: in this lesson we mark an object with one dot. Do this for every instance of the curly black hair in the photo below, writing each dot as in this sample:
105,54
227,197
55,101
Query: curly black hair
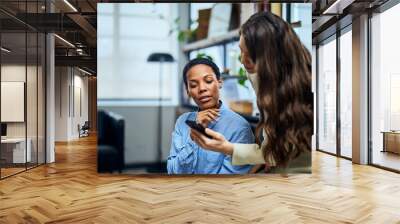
200,61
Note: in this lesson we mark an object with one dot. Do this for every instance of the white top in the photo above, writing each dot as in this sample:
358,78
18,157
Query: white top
249,154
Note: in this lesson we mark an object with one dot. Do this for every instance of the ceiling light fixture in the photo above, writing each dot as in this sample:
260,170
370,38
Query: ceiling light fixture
337,7
84,71
64,40
70,5
5,50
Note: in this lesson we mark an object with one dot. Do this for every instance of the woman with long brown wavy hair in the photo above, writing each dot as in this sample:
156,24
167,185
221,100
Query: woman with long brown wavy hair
279,68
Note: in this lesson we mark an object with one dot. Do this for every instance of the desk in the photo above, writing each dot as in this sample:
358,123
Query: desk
16,147
391,141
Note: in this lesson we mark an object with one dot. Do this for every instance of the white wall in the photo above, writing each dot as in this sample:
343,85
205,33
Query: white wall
61,103
15,72
70,83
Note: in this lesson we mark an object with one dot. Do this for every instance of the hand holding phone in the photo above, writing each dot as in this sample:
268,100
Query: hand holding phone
197,127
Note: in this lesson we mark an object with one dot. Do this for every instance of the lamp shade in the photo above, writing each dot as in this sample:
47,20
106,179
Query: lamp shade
160,57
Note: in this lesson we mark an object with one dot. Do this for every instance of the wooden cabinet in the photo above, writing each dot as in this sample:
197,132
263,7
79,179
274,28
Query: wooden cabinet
391,142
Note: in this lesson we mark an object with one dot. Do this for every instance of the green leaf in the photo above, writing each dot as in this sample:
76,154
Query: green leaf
242,77
242,82
200,55
181,36
242,73
204,55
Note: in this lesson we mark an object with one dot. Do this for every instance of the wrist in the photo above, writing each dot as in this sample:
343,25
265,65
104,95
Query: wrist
227,148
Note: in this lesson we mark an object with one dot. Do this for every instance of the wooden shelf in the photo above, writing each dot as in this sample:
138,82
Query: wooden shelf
230,36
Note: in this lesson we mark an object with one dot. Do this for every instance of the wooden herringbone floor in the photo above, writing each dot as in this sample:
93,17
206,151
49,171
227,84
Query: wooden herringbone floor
70,191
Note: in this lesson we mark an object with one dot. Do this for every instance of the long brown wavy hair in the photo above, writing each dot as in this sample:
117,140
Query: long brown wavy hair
284,97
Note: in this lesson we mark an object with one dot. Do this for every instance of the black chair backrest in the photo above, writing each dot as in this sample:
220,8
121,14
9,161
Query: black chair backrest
111,131
86,125
117,130
103,128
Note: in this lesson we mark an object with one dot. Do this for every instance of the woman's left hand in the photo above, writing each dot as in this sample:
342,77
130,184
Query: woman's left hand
217,143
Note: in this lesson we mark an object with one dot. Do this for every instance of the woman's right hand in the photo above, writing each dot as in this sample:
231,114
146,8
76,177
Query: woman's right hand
216,143
205,117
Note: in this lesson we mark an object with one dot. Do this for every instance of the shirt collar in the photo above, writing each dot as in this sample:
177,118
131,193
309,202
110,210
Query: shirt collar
222,107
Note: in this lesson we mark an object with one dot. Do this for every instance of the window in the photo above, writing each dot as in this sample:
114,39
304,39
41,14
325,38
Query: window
302,12
385,88
232,86
126,38
327,96
346,94
215,52
194,12
22,65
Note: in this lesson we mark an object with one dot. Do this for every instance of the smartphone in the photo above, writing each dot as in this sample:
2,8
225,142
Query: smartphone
197,127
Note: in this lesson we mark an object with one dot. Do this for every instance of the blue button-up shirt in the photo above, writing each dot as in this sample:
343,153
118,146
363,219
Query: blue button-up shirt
186,157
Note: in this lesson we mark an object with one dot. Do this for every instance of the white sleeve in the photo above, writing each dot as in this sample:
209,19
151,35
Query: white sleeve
249,154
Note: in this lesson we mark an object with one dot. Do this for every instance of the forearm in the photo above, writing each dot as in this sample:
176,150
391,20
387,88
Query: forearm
226,148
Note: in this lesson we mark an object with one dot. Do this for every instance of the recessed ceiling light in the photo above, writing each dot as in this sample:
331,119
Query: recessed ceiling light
84,71
64,40
5,50
337,7
70,5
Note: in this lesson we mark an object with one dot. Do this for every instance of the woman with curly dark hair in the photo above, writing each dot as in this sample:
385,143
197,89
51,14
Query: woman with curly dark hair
279,68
